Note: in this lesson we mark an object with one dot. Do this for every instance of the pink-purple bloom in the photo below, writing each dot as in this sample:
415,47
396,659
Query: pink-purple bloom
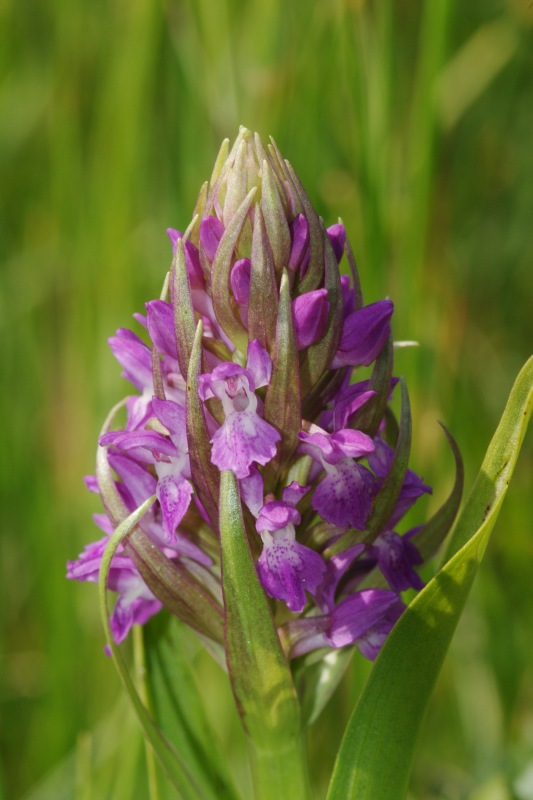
364,334
244,438
310,313
275,396
286,568
135,604
344,495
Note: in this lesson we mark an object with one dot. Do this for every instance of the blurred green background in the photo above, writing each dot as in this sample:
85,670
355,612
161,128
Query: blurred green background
411,120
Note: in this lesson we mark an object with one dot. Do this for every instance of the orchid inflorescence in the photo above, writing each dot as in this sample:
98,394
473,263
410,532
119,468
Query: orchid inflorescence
252,366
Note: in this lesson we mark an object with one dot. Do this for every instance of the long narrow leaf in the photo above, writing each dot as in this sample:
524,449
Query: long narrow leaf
263,306
179,707
204,473
174,768
317,681
184,322
283,398
259,672
171,582
431,535
389,713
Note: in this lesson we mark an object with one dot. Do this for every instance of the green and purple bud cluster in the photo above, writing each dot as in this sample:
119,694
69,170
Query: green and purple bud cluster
249,364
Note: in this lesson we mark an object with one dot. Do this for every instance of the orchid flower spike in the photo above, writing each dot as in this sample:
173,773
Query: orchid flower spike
261,357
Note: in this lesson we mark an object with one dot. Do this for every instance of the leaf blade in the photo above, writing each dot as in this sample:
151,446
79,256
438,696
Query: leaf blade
391,697
173,766
179,707
260,675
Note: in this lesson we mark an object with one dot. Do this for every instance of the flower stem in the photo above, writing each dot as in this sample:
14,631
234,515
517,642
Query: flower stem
280,772
140,671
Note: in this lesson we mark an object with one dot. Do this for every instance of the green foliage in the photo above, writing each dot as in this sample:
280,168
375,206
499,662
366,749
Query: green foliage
392,705
179,708
259,671
176,767
410,120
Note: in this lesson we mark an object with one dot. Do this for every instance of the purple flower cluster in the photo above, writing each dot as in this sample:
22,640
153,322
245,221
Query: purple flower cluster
248,364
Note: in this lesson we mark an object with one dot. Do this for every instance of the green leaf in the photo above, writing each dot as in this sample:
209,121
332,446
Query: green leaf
386,498
205,474
171,582
220,275
177,589
431,535
236,180
260,676
184,320
374,760
220,161
315,271
369,417
179,708
263,306
283,399
276,224
317,678
172,764
199,208
356,282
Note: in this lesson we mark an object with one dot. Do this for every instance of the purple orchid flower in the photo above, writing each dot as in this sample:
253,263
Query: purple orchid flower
299,252
344,496
169,457
135,604
244,438
286,568
396,556
363,619
310,313
278,337
211,230
240,278
337,237
364,335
